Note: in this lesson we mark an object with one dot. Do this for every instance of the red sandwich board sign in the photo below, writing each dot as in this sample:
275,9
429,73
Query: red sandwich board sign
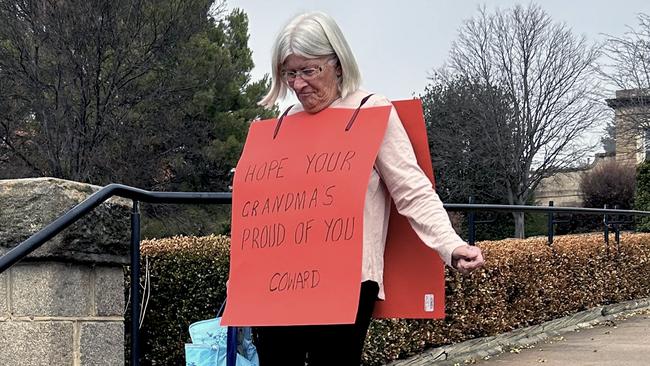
297,227
414,274
297,223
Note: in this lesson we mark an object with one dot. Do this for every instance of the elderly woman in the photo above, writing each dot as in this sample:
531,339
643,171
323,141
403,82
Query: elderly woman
312,58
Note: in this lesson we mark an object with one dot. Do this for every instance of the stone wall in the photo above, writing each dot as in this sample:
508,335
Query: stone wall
64,304
563,188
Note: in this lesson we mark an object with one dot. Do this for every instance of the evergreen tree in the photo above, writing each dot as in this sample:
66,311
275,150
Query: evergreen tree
642,195
462,130
155,94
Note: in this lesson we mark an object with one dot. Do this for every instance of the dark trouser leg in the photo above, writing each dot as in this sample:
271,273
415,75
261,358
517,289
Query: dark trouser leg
341,345
281,346
326,345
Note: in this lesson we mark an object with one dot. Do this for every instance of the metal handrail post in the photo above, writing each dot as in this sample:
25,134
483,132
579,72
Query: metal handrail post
550,224
606,230
617,233
135,284
471,224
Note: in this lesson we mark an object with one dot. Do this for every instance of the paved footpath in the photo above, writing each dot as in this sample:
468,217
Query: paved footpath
620,342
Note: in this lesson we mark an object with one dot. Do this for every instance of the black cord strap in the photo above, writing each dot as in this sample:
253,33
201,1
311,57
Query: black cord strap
347,128
277,126
356,112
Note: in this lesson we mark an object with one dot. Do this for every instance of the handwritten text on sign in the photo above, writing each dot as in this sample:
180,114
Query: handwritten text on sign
297,218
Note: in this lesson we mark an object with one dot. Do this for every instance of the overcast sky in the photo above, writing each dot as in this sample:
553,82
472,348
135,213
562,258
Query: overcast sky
398,43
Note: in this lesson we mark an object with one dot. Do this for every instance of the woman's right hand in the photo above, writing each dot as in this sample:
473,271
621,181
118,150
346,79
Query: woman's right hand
467,258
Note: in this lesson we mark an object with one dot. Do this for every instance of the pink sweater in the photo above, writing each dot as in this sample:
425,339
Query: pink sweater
397,175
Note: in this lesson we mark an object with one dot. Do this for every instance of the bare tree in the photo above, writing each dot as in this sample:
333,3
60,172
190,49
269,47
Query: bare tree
629,55
546,74
628,70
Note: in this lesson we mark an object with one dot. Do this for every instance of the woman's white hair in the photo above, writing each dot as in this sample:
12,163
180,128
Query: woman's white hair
312,35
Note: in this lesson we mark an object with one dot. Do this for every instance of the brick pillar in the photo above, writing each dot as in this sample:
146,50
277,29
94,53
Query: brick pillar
64,304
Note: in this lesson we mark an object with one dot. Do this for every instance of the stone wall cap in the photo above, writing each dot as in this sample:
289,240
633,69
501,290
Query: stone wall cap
29,204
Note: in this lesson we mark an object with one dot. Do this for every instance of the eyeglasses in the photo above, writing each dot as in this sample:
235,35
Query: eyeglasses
305,74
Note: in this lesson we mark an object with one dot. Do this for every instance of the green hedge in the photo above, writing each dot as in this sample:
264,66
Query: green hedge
188,283
524,282
642,195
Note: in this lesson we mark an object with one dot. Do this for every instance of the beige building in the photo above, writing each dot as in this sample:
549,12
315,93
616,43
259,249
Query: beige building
632,125
563,188
632,147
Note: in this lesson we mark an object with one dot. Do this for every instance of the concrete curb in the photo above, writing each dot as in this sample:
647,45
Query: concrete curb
520,338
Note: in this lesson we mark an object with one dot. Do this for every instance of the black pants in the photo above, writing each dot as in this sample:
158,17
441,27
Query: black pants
318,345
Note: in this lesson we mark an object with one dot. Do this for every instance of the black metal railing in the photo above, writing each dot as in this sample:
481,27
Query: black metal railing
612,218
139,195
96,199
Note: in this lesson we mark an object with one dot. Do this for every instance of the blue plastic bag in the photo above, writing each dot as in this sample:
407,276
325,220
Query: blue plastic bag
204,355
211,345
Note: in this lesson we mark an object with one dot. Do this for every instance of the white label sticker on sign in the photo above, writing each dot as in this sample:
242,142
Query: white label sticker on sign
428,302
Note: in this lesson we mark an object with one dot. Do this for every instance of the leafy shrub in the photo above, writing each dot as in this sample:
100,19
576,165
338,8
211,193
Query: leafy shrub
188,283
524,282
609,183
162,221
